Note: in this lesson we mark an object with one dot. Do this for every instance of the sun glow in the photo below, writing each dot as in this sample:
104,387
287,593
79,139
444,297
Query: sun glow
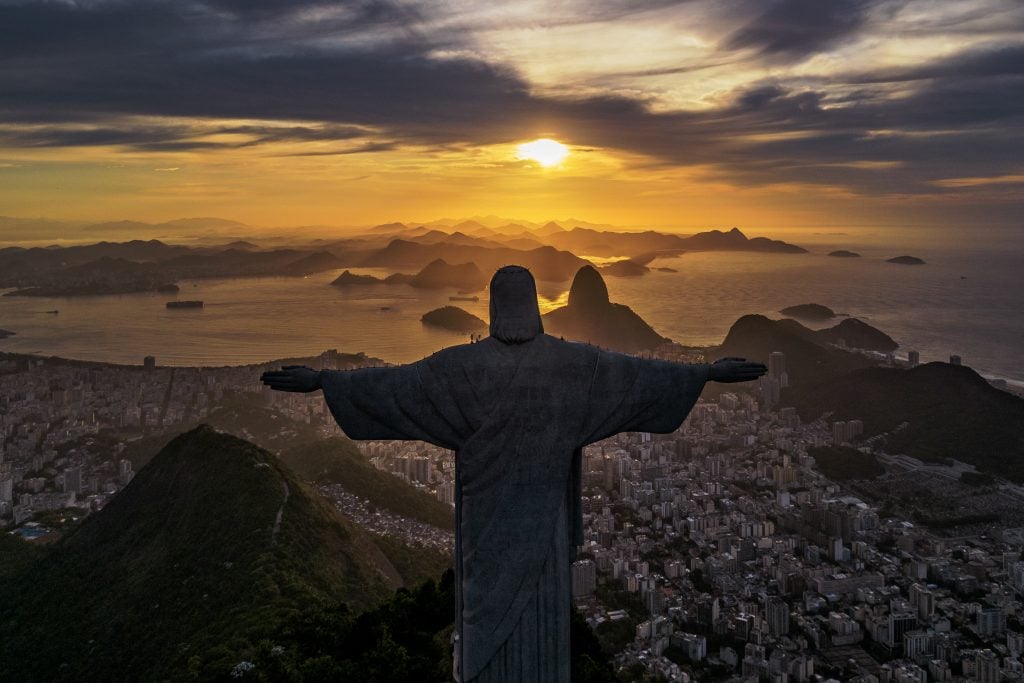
545,152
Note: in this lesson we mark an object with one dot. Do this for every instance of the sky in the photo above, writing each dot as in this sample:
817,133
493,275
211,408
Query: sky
768,114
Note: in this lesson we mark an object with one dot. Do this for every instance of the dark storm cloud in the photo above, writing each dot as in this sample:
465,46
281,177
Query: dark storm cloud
1001,60
79,69
793,29
167,137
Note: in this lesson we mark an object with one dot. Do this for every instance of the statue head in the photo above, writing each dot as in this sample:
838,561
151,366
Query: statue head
515,316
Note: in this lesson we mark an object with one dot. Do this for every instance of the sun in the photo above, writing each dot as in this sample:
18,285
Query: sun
545,152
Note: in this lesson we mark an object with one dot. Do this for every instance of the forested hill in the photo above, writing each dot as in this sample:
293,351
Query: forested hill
205,553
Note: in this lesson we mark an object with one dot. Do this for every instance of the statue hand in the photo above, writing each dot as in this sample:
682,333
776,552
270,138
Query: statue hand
736,370
296,378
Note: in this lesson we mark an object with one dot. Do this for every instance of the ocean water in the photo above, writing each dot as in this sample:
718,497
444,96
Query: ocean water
968,300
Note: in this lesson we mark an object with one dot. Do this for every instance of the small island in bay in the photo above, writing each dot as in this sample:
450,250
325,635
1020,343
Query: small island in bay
625,268
809,312
4,334
454,319
906,260
843,253
350,278
438,274
666,269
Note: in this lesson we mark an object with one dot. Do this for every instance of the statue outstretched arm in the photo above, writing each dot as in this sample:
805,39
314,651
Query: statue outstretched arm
730,370
296,378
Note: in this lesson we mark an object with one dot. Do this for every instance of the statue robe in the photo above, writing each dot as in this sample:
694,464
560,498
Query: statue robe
517,416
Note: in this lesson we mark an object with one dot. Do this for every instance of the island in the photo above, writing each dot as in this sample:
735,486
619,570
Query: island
438,274
906,260
591,317
625,268
809,312
843,253
4,334
666,269
350,278
454,319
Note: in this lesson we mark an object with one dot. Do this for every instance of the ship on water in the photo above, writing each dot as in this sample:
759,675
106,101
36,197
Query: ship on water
184,304
463,298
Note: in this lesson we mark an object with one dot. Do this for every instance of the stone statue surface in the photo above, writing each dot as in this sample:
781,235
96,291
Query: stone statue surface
517,408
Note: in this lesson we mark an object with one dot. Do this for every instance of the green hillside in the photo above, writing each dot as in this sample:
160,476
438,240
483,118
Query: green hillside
338,461
842,463
950,412
807,362
200,559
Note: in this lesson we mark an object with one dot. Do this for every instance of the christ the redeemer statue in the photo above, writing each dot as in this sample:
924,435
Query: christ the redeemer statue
517,408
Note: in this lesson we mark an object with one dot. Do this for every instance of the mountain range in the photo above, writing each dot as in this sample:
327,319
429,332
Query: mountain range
934,411
548,250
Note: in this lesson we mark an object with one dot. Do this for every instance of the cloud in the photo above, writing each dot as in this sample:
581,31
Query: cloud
793,29
169,77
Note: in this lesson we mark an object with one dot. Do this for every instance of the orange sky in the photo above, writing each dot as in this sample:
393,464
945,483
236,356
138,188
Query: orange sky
676,115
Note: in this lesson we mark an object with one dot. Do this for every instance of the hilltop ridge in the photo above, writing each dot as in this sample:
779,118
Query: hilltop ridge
209,548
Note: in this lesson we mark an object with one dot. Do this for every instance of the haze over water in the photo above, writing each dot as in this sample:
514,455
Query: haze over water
967,300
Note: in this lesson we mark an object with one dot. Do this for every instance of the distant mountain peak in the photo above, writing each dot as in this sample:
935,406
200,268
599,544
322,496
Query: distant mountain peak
549,228
591,317
736,232
395,226
588,289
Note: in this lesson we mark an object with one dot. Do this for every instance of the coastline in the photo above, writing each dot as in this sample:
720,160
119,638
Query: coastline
1012,386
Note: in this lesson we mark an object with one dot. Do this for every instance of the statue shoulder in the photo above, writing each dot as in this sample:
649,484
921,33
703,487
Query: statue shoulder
454,353
578,352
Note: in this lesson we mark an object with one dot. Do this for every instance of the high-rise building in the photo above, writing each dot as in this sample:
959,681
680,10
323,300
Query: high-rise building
900,623
422,470
987,667
1015,643
924,600
770,389
584,578
916,644
149,362
6,489
990,620
73,480
839,433
913,359
446,492
125,472
777,616
955,360
777,368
